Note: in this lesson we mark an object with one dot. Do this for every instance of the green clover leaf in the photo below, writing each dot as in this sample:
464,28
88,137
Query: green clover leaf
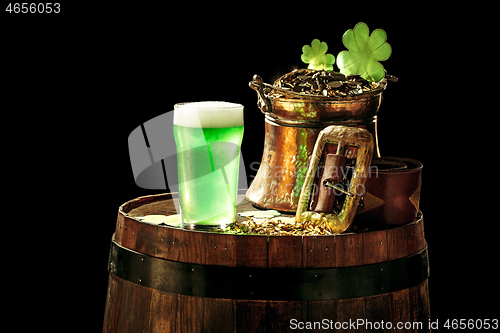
316,56
365,52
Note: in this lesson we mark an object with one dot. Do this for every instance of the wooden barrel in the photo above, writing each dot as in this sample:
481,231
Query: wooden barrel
165,279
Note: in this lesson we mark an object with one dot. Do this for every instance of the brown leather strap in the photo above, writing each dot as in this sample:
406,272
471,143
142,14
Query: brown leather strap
392,193
333,171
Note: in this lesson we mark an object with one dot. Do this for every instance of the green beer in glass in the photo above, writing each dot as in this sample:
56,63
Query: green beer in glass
208,138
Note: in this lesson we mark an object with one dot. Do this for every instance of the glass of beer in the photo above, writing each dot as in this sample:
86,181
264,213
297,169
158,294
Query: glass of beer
208,138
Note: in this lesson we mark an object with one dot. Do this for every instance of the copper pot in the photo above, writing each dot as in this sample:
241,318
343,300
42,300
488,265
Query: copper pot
292,126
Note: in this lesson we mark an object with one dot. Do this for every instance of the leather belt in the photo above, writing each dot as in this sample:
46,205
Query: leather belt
392,193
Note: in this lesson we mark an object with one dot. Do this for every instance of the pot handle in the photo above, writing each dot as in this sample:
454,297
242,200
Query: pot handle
263,102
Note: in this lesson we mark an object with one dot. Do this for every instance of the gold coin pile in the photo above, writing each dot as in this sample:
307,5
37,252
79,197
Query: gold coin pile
278,226
321,83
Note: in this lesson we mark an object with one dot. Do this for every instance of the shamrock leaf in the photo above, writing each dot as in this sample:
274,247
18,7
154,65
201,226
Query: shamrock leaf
365,52
316,56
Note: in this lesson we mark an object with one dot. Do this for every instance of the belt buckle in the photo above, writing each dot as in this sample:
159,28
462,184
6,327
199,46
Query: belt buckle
345,138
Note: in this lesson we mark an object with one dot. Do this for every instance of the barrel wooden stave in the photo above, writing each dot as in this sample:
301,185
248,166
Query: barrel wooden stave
251,251
134,308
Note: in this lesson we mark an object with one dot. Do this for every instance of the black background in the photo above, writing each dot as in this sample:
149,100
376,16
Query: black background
76,84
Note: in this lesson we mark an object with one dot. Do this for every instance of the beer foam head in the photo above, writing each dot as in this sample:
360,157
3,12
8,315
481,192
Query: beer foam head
208,114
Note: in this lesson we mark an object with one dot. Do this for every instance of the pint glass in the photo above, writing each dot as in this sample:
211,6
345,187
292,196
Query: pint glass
208,137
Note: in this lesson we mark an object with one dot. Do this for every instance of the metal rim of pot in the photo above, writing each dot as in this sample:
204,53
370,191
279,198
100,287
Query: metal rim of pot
265,101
